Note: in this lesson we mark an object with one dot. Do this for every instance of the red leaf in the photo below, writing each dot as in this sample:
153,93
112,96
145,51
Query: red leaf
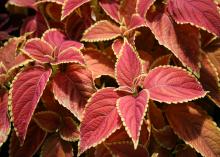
176,38
111,8
100,119
23,3
201,13
69,130
24,96
102,151
4,119
172,85
125,149
193,125
73,87
69,6
47,120
143,6
56,147
34,140
132,111
101,31
135,22
39,50
98,63
117,45
128,66
9,56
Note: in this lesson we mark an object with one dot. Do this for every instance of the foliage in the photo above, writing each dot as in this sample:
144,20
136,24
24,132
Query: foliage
102,78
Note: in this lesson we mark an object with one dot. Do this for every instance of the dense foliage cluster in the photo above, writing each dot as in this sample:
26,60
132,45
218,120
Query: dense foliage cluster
102,78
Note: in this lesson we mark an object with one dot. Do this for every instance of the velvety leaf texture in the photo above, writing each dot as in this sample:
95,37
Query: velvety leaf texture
172,85
56,147
101,31
4,119
143,6
100,120
176,38
111,8
34,140
196,128
132,111
24,96
201,13
70,5
128,66
73,87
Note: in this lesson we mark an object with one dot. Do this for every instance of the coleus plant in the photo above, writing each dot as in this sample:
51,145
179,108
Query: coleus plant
111,78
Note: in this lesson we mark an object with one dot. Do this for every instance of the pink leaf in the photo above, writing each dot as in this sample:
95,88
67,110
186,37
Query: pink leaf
128,66
111,8
69,6
48,121
34,140
117,45
39,50
4,119
136,22
176,38
100,119
23,3
54,146
98,63
201,13
101,31
196,129
25,93
132,111
73,87
172,85
143,6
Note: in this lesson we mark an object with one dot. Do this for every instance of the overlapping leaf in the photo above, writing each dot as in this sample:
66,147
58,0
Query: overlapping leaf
98,63
100,119
132,111
73,87
128,66
172,85
101,31
201,13
176,38
69,6
56,147
25,93
143,6
34,140
4,119
196,129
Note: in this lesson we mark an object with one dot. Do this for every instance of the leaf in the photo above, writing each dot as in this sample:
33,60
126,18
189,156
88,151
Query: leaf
132,111
73,87
201,13
117,45
196,129
176,39
209,78
98,63
135,22
128,66
5,126
69,130
111,8
102,151
24,96
143,6
125,149
9,56
56,147
34,140
101,31
70,6
100,119
48,121
172,84
23,3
